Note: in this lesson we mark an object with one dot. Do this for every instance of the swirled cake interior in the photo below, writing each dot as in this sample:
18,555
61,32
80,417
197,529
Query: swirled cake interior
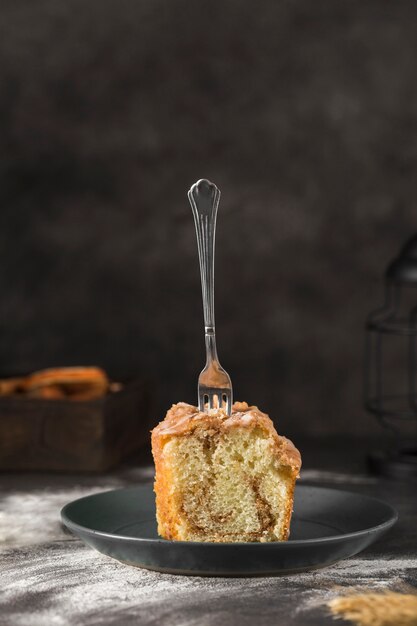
223,478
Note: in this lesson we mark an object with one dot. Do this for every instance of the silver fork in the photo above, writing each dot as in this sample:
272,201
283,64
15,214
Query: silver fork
214,384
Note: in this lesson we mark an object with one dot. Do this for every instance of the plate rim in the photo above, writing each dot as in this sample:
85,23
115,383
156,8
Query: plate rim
251,545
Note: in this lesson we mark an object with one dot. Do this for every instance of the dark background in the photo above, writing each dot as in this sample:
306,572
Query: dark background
303,113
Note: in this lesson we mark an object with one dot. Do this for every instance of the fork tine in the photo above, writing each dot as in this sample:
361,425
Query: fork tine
215,398
201,402
228,403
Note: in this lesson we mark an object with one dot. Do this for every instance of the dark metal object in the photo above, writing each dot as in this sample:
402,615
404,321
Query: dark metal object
391,366
401,463
327,526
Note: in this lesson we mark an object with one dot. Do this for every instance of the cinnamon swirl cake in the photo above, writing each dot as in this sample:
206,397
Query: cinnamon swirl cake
223,478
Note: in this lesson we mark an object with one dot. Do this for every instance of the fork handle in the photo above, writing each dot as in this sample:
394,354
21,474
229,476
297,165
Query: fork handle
204,198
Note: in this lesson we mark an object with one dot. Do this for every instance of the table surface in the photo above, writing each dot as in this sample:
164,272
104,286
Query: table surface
51,578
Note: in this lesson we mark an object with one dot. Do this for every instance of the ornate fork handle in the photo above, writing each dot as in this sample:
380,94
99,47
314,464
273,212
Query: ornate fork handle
204,198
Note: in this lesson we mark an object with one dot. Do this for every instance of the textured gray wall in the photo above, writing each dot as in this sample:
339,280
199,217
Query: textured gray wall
304,114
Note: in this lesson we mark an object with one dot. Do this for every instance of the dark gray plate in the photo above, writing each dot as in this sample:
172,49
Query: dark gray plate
327,526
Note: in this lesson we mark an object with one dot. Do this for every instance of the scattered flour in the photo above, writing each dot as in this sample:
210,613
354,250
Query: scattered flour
67,584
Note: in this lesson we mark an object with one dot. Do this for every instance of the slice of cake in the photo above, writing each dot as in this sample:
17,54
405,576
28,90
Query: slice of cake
223,478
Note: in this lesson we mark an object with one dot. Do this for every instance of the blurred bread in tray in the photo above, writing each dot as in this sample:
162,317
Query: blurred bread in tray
70,419
72,383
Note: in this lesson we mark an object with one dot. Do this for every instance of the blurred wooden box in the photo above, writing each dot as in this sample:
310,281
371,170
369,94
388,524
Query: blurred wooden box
73,436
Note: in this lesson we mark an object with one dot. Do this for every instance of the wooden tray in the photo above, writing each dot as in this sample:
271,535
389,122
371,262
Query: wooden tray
67,435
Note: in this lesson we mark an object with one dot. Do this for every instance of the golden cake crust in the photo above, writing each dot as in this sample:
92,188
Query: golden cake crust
184,420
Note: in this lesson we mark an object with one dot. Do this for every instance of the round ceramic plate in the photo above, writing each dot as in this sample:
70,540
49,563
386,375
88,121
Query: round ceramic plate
327,526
